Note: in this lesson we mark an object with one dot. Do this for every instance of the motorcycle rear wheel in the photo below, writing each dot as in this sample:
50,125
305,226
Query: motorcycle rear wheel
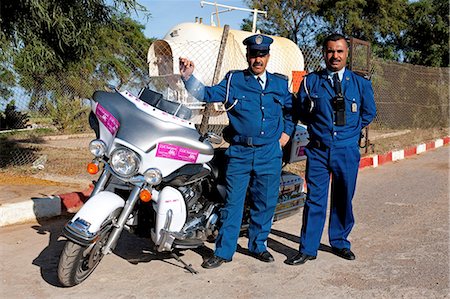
77,262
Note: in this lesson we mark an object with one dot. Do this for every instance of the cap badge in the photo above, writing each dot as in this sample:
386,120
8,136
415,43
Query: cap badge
259,40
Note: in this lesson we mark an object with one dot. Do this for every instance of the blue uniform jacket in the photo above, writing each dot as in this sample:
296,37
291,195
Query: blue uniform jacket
261,115
319,115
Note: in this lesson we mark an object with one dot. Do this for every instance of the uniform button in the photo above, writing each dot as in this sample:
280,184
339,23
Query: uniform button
262,94
262,133
335,133
262,107
334,122
264,119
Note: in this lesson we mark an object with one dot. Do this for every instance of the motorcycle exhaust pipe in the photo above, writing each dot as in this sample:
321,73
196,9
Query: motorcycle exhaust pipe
165,231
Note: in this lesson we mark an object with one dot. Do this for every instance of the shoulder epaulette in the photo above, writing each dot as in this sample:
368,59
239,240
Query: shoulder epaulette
363,75
232,72
281,76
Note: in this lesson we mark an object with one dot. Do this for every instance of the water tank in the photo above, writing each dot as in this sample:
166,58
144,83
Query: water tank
200,43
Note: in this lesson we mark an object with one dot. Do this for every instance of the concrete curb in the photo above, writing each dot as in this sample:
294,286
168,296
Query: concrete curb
56,205
377,160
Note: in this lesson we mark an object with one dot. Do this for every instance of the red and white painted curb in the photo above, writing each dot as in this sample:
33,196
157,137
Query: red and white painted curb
392,156
51,206
377,160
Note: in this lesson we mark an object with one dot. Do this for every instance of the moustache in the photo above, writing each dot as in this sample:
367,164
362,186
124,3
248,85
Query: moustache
257,64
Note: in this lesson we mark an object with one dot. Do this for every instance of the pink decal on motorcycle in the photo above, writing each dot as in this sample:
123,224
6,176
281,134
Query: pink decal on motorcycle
301,151
175,152
110,122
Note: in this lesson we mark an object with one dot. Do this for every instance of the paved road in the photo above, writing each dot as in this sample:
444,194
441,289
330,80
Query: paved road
401,240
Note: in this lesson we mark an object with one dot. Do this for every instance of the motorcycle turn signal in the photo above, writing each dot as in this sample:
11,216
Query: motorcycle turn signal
92,168
145,195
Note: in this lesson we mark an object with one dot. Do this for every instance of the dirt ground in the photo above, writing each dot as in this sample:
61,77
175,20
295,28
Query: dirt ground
401,241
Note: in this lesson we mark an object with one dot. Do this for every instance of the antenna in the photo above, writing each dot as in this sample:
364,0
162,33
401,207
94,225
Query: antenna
231,8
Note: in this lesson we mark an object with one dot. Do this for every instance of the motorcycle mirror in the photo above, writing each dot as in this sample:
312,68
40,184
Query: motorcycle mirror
110,87
214,138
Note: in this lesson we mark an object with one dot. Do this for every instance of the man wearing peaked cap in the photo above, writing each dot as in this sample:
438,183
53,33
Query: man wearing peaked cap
258,105
258,45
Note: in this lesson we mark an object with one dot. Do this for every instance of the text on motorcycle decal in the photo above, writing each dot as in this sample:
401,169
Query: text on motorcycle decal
110,122
175,152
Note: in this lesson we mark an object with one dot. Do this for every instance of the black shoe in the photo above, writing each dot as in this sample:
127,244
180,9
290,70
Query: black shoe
264,256
344,253
214,262
299,259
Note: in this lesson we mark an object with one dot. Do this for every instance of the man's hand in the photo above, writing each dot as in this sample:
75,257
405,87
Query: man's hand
186,68
284,139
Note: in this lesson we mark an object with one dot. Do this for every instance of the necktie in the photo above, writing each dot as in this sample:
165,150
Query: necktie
261,82
337,84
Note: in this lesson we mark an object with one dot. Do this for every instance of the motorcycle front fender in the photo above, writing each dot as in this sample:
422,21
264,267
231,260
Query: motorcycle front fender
85,225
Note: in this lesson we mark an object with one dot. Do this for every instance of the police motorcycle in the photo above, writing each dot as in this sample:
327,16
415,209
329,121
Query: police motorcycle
159,176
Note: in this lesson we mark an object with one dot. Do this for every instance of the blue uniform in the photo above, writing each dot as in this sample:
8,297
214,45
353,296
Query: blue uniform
332,150
257,119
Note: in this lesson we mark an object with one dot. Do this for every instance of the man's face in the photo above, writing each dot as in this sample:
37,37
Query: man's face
257,63
335,55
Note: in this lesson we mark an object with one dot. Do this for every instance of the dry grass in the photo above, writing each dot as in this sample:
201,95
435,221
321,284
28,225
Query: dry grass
67,158
19,180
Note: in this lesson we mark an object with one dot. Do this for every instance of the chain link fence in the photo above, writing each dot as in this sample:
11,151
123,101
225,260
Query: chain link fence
47,129
410,96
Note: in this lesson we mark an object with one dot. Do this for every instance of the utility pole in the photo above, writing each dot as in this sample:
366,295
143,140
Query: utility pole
230,8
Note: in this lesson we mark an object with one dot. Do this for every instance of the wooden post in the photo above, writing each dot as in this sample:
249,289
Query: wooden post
205,119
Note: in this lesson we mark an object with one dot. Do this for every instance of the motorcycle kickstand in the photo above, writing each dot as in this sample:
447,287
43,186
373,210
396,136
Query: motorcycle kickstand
186,266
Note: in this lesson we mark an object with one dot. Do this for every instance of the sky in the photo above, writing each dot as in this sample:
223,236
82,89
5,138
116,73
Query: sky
165,14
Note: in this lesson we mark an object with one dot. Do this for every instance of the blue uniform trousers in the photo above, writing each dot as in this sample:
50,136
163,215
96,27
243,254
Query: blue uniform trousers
260,167
342,163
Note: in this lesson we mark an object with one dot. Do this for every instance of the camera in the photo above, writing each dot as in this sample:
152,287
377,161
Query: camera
339,110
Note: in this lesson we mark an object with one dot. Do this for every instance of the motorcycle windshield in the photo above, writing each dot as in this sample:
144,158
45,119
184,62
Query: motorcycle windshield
144,125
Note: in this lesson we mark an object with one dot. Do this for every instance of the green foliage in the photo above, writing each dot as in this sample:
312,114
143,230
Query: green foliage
13,119
293,19
43,40
6,72
58,29
379,21
61,51
68,116
426,39
402,30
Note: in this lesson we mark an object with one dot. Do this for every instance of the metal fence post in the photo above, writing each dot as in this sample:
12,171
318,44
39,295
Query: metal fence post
209,107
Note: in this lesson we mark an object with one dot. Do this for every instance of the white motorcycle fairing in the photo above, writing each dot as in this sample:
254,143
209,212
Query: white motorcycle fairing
87,221
170,216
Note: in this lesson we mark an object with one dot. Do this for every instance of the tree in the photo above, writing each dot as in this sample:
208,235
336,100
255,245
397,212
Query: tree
293,19
378,21
64,50
425,41
41,37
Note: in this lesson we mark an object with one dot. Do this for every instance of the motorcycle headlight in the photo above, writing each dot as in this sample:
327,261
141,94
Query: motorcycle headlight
153,176
97,147
124,162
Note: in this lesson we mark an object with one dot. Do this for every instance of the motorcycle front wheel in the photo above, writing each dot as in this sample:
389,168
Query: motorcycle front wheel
77,262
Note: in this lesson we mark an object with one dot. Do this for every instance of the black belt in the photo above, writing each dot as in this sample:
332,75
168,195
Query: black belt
317,144
245,141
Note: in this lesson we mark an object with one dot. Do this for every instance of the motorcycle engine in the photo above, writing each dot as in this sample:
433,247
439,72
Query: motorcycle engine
202,214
